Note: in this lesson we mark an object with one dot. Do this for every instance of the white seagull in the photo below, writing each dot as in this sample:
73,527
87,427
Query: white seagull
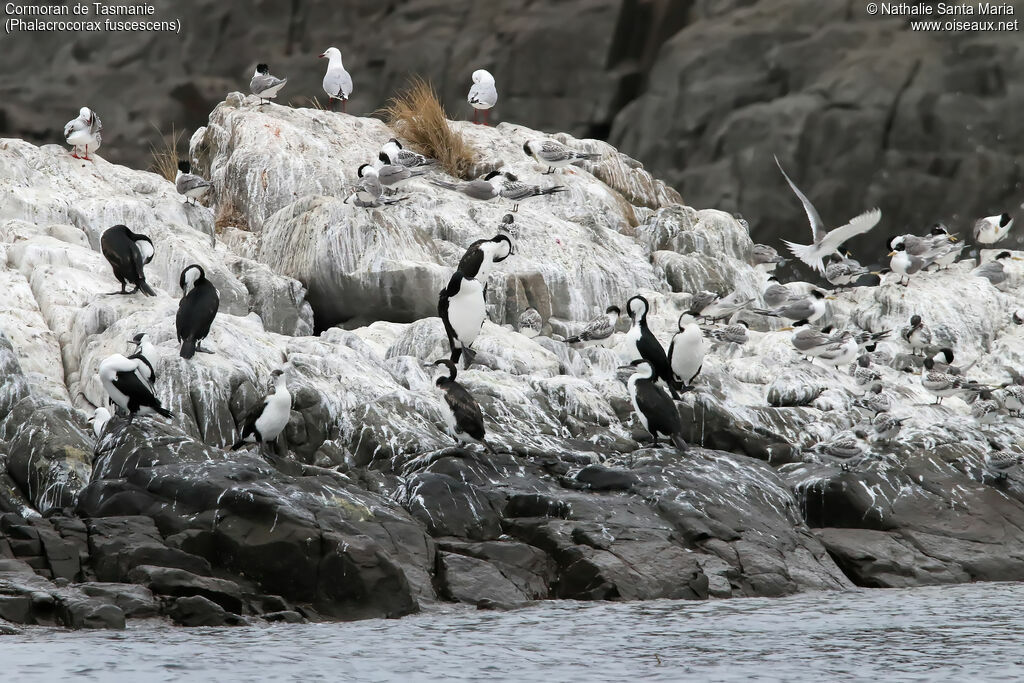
825,242
337,81
84,132
483,94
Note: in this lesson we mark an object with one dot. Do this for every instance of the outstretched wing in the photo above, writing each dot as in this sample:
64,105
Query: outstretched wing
817,227
856,226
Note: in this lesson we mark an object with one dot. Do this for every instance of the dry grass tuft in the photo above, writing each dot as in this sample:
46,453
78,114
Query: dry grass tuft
165,154
228,216
418,117
303,102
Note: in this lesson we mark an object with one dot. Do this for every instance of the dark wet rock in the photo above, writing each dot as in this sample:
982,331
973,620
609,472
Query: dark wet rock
599,478
119,544
179,583
285,616
196,610
345,558
527,568
50,452
137,602
883,559
26,598
471,580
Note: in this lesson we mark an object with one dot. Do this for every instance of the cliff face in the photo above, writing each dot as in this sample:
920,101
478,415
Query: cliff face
367,509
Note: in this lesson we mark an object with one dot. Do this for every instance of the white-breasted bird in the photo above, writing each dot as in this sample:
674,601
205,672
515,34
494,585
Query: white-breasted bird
337,81
267,419
483,94
83,132
187,183
991,229
265,86
554,154
825,242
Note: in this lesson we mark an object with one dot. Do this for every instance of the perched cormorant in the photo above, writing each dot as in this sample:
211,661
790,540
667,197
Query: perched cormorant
123,379
649,348
196,310
481,256
655,410
268,418
461,308
128,252
686,351
463,419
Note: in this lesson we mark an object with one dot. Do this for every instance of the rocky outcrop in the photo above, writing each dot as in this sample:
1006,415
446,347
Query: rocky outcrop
364,508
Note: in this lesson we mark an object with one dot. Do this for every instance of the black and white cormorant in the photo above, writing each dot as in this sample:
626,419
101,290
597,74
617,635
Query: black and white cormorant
196,310
649,348
128,252
462,416
655,410
686,351
268,418
481,256
123,379
461,309
144,347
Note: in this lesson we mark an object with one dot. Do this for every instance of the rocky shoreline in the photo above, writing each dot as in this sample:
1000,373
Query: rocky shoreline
369,511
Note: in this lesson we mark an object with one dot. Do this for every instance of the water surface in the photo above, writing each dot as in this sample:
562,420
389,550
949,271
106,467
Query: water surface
970,632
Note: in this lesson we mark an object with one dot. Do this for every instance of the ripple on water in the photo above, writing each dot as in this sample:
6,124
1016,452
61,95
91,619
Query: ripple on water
956,633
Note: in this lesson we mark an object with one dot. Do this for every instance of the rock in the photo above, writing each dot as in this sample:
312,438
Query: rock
600,478
468,579
286,616
180,583
197,610
136,602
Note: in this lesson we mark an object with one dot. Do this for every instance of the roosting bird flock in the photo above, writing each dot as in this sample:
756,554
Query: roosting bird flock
658,378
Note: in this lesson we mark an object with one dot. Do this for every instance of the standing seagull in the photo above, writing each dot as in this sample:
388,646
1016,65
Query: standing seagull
462,416
686,351
461,308
517,190
598,329
84,131
988,230
265,86
268,418
127,253
483,94
196,310
481,255
825,242
647,345
337,81
120,377
655,410
189,184
554,154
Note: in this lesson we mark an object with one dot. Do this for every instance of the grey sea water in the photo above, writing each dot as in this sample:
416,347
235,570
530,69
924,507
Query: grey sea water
960,633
